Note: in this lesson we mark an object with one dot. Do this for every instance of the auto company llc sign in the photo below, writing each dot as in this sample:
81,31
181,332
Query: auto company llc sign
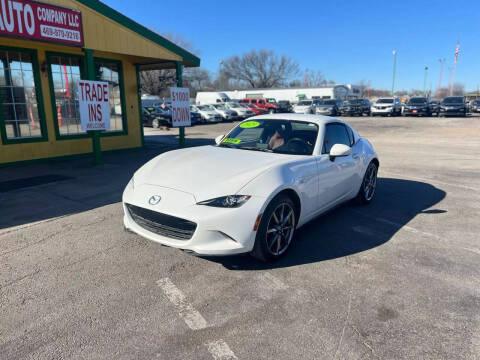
94,105
180,106
37,21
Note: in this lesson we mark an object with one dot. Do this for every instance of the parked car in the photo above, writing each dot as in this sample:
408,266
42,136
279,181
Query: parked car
225,112
435,107
242,111
416,106
387,106
256,109
154,119
247,194
304,107
195,118
453,105
261,103
355,107
328,107
284,106
208,114
475,106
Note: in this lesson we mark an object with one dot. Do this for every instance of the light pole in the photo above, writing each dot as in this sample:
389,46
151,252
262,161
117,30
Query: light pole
425,82
439,89
394,52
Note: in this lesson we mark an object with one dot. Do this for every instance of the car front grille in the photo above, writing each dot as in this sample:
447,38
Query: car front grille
162,224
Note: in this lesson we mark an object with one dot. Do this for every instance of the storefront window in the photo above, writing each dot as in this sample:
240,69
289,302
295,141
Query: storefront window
65,77
110,72
18,96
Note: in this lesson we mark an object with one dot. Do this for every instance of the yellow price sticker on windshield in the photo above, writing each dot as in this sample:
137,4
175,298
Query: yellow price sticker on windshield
232,141
249,124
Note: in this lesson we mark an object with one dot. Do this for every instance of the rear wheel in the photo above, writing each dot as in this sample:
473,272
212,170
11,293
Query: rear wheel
276,230
155,123
369,184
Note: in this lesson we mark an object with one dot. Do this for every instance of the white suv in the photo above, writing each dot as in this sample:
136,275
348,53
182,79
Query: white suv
387,106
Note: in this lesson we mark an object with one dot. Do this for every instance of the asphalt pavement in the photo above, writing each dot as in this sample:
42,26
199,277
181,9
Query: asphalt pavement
398,279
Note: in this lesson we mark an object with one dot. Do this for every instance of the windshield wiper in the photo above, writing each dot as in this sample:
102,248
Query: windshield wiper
254,149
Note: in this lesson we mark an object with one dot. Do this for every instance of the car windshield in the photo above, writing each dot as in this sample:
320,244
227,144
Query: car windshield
329,102
204,107
416,101
271,101
453,100
277,136
355,101
385,101
220,107
305,102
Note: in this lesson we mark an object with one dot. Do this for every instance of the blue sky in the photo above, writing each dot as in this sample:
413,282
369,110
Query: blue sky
348,41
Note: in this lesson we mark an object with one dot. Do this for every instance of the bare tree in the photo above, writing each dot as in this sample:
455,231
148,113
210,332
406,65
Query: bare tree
458,89
158,82
259,69
313,78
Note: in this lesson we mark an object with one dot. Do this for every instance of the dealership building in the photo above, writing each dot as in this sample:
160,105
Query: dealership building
45,49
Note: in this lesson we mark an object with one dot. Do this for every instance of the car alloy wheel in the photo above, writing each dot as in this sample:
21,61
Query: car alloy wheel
370,182
155,123
280,228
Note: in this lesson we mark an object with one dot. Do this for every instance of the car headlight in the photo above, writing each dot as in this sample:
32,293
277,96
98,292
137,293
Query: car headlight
230,201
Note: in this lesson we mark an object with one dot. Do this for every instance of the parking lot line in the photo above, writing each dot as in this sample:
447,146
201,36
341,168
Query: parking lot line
220,350
187,312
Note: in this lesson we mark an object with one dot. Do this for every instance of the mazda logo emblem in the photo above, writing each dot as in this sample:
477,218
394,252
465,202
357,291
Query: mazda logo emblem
154,200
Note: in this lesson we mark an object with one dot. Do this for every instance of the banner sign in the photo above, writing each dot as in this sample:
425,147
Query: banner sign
180,106
37,21
94,105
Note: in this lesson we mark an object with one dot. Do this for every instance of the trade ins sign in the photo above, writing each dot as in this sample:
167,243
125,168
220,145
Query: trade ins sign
37,21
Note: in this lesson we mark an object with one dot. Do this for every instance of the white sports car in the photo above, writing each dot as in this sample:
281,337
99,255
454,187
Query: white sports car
249,193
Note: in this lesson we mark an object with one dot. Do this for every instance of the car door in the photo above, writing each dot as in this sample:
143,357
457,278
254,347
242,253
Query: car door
336,177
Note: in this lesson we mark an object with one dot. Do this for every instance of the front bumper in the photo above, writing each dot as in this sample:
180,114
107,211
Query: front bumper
415,112
453,112
354,111
384,111
325,111
219,231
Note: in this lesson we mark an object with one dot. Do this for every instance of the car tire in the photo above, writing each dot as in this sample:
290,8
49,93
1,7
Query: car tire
155,123
369,185
273,239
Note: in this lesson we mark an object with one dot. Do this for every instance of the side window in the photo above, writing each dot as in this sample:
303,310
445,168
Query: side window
261,101
334,134
254,101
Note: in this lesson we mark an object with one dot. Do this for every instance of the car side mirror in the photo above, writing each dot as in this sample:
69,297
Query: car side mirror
339,150
219,139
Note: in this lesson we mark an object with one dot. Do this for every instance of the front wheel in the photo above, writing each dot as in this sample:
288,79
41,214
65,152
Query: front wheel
155,123
369,185
276,229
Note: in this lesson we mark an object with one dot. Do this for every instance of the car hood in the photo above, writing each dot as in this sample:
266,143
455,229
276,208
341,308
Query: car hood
207,172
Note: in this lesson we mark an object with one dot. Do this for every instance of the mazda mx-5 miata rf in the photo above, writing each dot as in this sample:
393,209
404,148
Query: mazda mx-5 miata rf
267,177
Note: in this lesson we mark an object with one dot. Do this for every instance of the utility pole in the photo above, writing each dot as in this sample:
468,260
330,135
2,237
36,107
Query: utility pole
425,81
394,52
439,89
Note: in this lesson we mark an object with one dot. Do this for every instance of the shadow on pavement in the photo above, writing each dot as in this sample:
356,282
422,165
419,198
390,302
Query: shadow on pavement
352,229
55,188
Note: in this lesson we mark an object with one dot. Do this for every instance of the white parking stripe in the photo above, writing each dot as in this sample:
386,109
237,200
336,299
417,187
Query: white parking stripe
187,312
220,350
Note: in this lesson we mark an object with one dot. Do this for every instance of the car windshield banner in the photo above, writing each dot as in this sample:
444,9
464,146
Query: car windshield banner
37,21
